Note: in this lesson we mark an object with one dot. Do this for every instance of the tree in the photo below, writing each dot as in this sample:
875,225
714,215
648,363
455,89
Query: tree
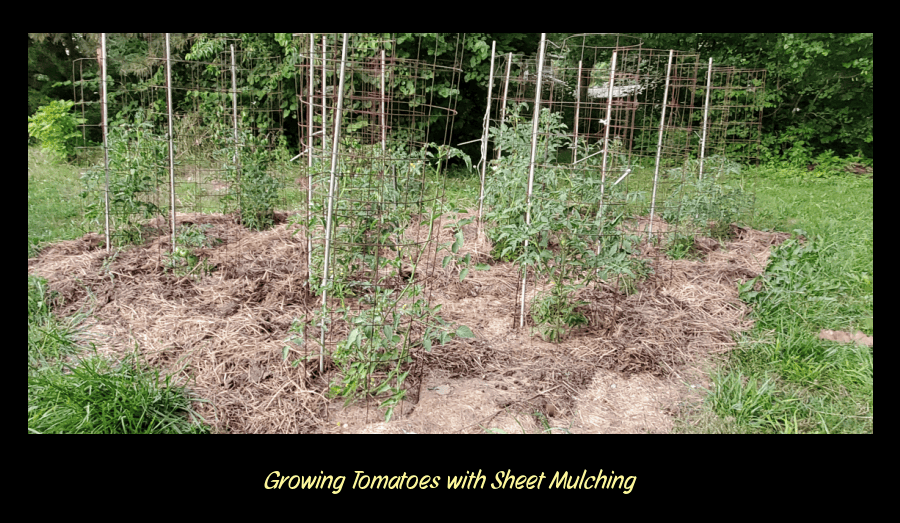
819,87
819,96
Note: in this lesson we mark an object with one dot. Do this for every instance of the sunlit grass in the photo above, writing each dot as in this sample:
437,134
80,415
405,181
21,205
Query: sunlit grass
783,378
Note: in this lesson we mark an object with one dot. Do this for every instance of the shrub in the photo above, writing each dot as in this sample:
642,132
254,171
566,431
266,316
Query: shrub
55,127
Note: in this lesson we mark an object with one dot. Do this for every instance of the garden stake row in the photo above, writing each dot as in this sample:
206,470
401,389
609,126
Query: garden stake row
608,132
600,105
372,212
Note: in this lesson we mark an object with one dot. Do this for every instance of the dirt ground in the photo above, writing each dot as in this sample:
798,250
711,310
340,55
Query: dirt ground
633,368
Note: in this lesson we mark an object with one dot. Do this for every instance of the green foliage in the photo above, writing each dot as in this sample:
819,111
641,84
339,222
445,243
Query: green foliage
373,345
56,127
782,172
709,200
138,166
820,95
833,78
205,48
370,212
790,274
50,66
460,261
194,236
94,397
681,247
506,194
476,70
829,164
259,192
375,358
819,108
556,312
183,261
820,87
572,237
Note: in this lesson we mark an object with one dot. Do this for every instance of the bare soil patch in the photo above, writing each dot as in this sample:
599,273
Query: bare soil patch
627,371
847,337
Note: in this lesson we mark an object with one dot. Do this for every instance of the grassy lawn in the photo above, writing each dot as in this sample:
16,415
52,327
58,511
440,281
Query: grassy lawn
781,379
785,379
54,208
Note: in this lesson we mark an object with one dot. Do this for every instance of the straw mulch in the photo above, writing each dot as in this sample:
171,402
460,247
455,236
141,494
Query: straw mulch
685,311
224,333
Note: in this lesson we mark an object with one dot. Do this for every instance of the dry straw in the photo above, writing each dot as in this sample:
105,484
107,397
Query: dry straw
224,332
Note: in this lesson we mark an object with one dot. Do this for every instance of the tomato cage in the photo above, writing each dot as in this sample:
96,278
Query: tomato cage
251,257
374,122
733,118
193,151
589,193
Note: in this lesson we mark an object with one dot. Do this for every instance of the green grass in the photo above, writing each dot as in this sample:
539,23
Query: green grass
461,187
49,339
93,396
71,390
54,207
784,379
199,194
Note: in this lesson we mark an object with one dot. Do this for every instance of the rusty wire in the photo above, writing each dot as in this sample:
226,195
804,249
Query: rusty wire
386,201
213,129
628,126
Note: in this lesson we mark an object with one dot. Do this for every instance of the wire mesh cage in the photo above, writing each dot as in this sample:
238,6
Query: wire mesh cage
375,205
195,160
603,183
186,144
734,118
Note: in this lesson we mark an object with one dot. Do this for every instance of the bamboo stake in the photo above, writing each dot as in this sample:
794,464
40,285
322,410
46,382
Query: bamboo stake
309,160
609,97
104,107
534,133
484,136
577,110
332,187
171,142
324,111
383,122
662,123
234,124
705,116
503,101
